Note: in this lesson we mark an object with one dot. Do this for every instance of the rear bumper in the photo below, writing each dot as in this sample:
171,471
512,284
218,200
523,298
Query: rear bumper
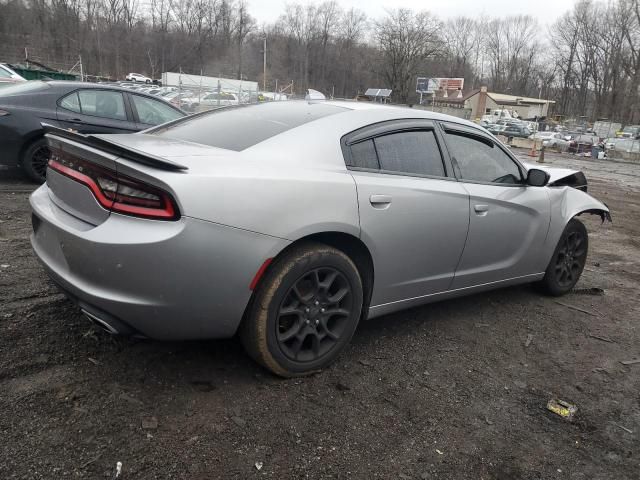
165,280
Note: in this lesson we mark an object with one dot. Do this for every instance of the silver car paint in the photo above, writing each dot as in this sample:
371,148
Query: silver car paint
507,229
169,280
410,255
189,279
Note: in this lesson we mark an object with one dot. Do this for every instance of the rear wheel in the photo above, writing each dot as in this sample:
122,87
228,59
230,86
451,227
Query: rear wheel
568,260
305,311
35,160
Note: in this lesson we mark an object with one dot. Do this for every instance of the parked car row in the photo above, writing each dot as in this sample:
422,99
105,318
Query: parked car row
81,107
510,128
188,99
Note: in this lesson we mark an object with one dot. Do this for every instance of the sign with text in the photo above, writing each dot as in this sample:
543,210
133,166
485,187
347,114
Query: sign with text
430,85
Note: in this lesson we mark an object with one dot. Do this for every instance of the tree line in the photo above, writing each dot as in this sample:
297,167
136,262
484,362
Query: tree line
588,61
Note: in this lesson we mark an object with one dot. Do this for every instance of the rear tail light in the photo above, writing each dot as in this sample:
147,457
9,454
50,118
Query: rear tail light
116,192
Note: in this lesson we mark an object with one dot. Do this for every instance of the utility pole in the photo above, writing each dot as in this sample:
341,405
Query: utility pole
264,64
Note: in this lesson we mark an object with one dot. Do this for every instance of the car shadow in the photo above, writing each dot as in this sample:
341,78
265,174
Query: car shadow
207,364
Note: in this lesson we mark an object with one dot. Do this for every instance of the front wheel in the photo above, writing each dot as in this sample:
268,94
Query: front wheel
305,311
568,260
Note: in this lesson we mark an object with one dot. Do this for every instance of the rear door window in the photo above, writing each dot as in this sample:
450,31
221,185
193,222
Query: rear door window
103,103
411,152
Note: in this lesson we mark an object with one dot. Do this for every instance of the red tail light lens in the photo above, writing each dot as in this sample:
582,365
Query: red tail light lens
116,192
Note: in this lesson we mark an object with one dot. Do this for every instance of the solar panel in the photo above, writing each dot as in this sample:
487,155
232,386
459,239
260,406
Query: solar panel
378,92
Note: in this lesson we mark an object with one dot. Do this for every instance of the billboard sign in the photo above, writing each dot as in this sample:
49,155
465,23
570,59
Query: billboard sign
430,85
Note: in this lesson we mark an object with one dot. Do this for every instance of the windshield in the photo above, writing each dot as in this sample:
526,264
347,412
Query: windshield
242,127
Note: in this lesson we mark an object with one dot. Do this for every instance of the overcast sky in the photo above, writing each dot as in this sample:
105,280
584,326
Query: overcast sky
546,11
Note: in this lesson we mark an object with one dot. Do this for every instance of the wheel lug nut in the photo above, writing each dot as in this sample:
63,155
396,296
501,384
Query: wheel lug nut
306,310
317,302
317,322
307,322
322,310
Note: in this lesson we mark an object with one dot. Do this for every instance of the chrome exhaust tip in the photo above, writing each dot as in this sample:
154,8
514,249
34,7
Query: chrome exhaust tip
101,323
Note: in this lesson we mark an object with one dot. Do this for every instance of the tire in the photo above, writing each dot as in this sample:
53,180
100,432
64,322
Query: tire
34,160
297,331
568,260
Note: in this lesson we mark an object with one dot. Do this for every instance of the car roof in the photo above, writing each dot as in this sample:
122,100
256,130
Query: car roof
396,110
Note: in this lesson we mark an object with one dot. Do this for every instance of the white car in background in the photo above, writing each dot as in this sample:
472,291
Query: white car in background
222,99
136,77
8,76
551,139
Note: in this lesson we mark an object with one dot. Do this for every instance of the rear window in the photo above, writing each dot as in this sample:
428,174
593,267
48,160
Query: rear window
243,127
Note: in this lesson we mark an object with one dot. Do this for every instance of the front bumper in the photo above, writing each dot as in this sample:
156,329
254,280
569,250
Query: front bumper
165,280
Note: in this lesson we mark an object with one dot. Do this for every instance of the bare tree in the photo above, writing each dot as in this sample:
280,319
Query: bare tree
405,40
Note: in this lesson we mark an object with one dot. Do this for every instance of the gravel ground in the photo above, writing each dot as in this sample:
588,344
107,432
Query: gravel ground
453,390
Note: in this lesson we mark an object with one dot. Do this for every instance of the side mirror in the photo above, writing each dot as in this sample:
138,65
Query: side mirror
537,177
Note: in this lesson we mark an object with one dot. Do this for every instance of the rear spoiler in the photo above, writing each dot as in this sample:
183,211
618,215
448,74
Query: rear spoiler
113,147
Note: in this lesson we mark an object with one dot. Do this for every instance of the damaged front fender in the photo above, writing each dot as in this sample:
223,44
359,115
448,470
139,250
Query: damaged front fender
568,192
573,202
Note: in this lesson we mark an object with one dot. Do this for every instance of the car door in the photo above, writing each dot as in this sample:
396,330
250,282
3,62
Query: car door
414,215
92,110
508,220
149,112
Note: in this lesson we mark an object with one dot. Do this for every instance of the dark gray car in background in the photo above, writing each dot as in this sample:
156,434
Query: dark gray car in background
82,107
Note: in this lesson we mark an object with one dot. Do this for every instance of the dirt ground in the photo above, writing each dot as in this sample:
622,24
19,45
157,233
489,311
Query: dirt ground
453,390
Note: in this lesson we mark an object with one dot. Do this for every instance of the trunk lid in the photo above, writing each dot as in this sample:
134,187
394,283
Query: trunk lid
89,174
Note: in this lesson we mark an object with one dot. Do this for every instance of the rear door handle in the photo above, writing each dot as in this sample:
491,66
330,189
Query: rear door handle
380,201
481,209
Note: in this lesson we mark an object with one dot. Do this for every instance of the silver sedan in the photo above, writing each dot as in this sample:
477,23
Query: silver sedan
290,222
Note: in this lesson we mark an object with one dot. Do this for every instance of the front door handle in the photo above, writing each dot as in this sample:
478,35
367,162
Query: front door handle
380,201
481,209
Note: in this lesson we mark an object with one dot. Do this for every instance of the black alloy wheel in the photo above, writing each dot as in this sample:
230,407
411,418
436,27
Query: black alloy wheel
35,160
570,259
314,314
304,311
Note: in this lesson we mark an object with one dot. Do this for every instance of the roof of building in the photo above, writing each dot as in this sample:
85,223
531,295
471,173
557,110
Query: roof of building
503,98
499,98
